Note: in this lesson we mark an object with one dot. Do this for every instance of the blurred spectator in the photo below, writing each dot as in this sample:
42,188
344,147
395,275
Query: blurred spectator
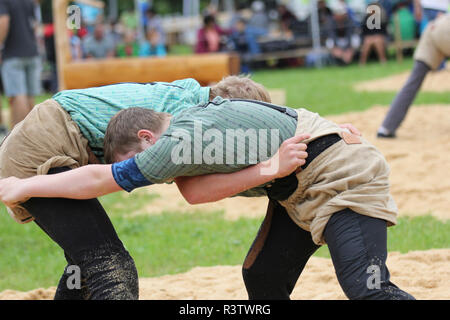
76,48
90,15
259,21
342,40
153,45
404,17
21,69
209,37
427,10
129,47
116,32
99,44
374,38
326,20
153,22
287,20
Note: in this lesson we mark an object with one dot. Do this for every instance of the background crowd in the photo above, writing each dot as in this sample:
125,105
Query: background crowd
252,29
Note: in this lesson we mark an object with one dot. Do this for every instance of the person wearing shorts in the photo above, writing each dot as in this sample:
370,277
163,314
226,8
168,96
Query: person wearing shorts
21,67
67,132
433,48
339,195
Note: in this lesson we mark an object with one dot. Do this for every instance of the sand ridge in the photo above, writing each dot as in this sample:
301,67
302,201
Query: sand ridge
424,274
435,81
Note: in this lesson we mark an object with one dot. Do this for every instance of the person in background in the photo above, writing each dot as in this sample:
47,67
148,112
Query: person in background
244,43
99,44
209,37
129,47
153,22
326,21
76,48
21,69
287,19
433,48
428,10
152,46
374,38
259,21
3,129
341,39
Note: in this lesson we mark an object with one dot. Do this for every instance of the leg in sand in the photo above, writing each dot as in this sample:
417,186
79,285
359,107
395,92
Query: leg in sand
358,248
403,101
85,233
277,256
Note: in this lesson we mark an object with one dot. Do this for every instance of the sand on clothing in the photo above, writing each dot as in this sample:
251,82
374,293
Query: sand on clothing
424,274
435,81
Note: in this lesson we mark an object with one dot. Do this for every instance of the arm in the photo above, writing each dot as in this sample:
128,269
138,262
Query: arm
215,187
4,28
218,186
86,182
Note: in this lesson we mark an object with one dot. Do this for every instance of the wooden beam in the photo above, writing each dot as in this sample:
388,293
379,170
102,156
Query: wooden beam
205,68
62,46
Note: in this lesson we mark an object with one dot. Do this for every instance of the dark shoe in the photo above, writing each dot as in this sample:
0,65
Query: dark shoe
382,135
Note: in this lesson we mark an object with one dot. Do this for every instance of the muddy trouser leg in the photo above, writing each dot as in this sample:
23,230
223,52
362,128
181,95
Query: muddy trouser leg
85,233
277,256
358,248
405,97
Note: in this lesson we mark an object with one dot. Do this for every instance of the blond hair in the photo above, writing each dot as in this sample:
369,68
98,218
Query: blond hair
240,87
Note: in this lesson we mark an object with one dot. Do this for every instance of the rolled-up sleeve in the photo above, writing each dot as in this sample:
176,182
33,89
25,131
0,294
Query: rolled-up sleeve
128,176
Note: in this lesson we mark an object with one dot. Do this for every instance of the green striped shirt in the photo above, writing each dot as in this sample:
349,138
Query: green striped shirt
222,136
93,108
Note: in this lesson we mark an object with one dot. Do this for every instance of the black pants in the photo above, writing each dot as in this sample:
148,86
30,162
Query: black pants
85,233
357,245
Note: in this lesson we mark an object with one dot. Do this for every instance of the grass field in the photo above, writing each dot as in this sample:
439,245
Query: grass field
173,242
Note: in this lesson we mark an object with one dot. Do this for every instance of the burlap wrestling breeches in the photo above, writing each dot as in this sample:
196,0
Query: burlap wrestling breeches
47,138
351,173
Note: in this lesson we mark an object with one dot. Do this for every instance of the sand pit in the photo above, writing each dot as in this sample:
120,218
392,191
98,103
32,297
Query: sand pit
420,170
424,274
437,81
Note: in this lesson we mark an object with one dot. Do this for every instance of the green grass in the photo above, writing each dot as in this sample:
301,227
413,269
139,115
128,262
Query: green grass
330,90
170,243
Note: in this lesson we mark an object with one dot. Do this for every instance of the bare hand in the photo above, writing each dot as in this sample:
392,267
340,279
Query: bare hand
11,191
291,155
351,128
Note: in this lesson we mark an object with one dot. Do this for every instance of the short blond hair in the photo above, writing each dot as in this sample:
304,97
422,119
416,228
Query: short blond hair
240,87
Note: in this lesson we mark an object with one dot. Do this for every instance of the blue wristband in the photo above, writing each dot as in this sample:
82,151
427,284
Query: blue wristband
128,176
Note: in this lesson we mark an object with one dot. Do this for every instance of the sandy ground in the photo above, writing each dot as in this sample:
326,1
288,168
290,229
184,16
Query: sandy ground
424,274
437,81
420,170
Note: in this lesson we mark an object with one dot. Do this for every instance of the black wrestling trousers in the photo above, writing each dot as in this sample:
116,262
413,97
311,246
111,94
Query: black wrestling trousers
358,248
91,245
